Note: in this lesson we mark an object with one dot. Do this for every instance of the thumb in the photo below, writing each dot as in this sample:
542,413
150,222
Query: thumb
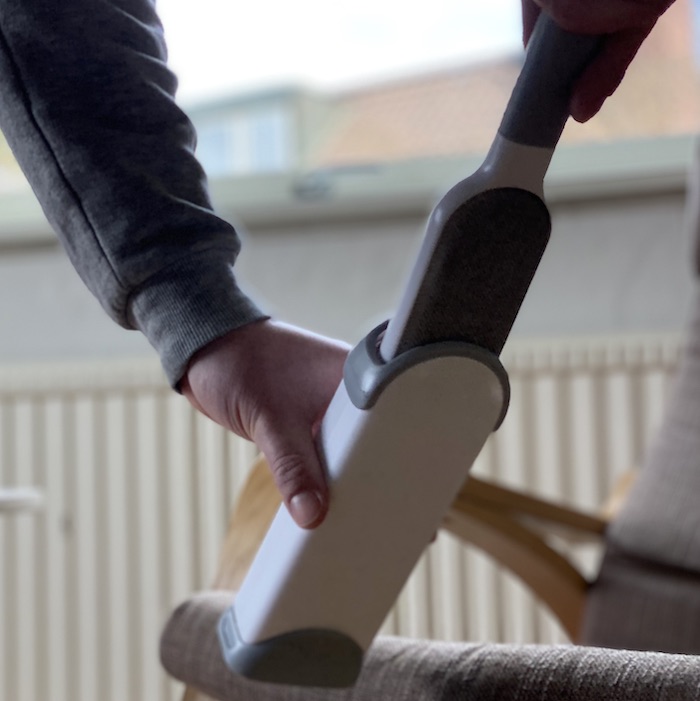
297,470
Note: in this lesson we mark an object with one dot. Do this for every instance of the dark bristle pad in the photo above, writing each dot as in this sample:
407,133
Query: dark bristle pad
486,257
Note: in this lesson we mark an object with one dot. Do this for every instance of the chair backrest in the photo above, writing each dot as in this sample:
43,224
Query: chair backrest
647,595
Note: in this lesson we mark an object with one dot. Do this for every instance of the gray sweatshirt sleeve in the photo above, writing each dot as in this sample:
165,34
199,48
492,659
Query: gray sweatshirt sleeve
87,106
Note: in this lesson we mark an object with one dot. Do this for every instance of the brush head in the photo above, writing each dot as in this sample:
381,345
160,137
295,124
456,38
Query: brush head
483,263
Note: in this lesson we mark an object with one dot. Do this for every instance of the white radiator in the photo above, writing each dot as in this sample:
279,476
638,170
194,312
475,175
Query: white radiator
138,489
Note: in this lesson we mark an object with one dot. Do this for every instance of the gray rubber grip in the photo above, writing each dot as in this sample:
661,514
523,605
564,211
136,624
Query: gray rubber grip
539,106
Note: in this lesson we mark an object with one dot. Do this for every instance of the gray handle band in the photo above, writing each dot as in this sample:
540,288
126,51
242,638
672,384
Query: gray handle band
539,105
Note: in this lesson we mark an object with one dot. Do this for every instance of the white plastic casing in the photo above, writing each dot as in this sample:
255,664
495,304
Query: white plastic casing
393,471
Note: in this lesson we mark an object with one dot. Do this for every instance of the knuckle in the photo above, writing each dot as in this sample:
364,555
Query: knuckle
289,472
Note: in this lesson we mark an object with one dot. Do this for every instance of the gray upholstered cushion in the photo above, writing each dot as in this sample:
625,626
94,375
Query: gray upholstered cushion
661,518
407,670
647,595
642,605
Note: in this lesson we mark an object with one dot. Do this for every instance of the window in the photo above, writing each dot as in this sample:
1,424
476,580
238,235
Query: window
271,140
245,141
214,148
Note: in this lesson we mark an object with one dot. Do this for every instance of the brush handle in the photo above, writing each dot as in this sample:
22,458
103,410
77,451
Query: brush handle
539,105
484,239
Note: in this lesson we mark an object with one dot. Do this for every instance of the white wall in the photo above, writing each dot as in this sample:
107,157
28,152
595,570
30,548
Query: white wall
613,265
617,266
46,312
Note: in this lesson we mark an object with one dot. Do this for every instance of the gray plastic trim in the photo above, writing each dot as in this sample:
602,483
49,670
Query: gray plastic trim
366,374
313,657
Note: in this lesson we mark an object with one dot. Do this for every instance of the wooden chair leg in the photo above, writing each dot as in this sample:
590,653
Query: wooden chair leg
547,573
516,530
251,517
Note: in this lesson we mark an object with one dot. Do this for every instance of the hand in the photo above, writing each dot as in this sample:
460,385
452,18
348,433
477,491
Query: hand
271,383
626,24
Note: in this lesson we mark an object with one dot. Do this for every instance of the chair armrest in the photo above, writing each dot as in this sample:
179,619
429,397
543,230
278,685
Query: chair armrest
542,515
397,668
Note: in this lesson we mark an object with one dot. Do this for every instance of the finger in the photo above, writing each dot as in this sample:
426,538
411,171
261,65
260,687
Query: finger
604,16
603,76
530,13
297,470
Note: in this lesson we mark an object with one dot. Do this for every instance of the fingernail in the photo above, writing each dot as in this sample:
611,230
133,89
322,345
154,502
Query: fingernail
305,508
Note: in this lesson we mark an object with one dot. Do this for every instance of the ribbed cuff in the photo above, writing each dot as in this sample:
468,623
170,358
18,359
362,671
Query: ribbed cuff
188,307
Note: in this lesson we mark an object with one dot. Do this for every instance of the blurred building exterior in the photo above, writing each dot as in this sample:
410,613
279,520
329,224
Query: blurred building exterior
447,113
330,192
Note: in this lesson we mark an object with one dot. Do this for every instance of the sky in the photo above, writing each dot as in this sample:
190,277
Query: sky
219,47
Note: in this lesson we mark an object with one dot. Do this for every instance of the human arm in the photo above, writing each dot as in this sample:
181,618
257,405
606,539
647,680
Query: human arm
625,24
87,105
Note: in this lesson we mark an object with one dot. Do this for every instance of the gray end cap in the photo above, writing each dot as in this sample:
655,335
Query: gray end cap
313,657
366,374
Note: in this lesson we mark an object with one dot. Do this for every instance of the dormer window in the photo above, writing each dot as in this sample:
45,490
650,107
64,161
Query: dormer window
245,141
